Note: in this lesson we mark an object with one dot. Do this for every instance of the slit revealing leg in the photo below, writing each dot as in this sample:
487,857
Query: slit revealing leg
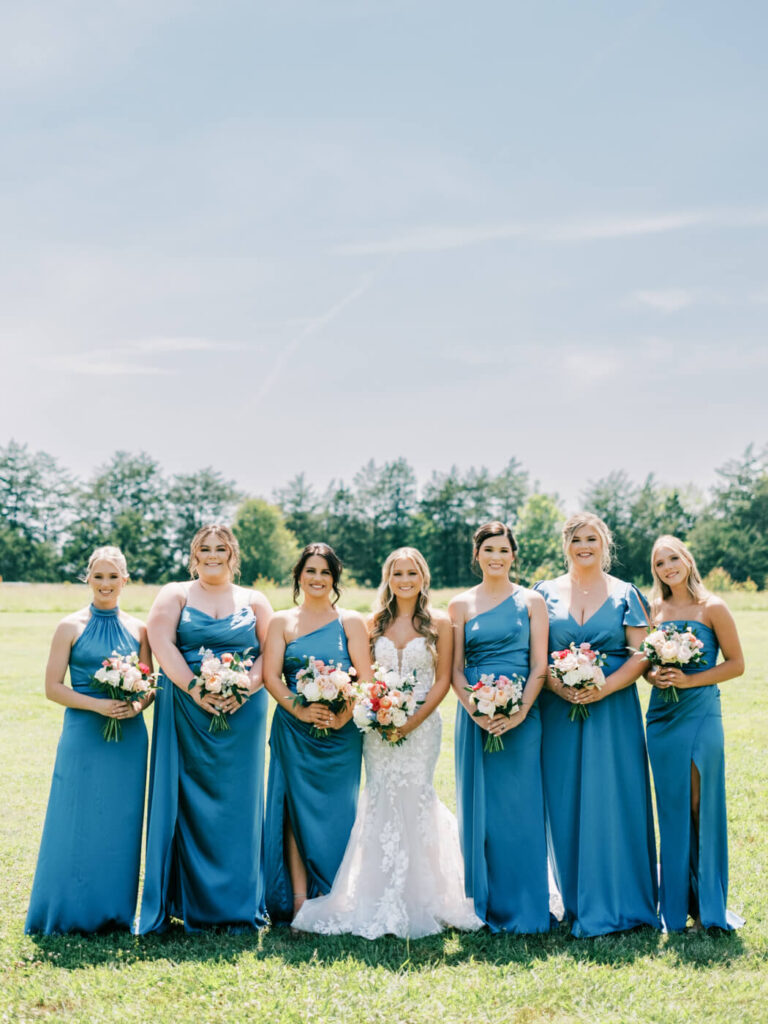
296,870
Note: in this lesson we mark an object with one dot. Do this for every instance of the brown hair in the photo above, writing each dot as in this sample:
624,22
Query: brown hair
224,533
385,604
574,523
332,560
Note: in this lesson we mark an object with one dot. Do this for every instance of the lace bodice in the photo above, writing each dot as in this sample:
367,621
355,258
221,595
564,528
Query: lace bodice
414,657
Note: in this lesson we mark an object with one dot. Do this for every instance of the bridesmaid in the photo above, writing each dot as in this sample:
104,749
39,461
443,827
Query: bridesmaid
501,628
685,743
596,784
313,783
206,804
87,875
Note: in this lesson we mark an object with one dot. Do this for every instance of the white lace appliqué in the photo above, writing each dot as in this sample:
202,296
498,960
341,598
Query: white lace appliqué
402,872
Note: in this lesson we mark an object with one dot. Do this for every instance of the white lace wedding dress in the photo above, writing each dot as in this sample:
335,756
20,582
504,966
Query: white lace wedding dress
402,873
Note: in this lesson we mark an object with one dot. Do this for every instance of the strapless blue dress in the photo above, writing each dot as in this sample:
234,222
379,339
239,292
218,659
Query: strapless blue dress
87,874
597,789
204,859
499,797
315,782
694,875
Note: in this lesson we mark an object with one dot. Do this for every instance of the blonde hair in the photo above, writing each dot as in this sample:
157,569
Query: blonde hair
589,519
225,534
661,591
385,604
108,553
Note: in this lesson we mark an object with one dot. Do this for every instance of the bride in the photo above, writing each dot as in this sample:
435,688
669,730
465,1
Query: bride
402,873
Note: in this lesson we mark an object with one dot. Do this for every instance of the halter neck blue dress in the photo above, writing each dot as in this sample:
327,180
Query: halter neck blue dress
87,874
597,789
206,795
315,782
694,874
499,797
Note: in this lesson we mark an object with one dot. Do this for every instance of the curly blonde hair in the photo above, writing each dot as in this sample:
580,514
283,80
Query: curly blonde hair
385,604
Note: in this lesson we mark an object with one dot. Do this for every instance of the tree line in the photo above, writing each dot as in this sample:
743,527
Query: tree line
51,521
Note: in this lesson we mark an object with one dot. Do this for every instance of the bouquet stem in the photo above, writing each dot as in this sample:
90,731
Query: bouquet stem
319,734
219,723
112,730
579,711
493,744
670,695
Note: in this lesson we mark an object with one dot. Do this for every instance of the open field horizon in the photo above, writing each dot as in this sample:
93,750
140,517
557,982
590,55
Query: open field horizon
216,977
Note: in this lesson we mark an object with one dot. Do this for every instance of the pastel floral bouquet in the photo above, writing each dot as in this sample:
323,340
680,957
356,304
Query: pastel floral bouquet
225,675
323,682
123,677
669,645
496,695
578,666
385,703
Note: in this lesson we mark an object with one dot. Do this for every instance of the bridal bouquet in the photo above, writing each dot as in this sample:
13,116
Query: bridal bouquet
578,667
669,645
386,703
323,682
123,677
496,695
225,675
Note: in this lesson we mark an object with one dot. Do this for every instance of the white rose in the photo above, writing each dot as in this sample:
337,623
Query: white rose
312,691
101,675
486,707
399,717
112,676
338,677
669,651
213,685
572,677
361,717
327,688
132,680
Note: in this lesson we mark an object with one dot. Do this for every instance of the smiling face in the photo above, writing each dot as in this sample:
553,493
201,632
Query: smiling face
585,549
669,567
495,556
405,578
213,556
316,579
106,581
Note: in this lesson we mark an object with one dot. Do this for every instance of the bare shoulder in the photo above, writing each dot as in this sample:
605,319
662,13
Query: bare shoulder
172,593
532,598
134,624
461,605
349,617
717,610
257,600
71,626
440,618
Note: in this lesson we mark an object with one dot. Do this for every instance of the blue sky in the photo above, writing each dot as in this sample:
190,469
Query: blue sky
296,236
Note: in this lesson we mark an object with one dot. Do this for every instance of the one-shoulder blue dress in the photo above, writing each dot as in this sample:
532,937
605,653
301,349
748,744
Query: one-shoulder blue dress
694,874
499,797
314,781
597,789
87,875
204,860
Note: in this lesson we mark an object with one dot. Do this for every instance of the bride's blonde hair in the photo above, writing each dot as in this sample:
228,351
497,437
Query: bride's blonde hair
385,604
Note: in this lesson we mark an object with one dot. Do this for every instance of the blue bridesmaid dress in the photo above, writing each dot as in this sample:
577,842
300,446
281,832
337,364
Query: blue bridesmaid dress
87,875
596,785
206,796
315,782
694,875
499,797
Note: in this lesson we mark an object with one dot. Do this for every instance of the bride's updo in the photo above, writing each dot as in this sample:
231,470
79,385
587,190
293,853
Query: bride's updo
385,604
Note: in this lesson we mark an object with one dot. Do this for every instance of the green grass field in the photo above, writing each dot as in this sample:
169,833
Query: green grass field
269,977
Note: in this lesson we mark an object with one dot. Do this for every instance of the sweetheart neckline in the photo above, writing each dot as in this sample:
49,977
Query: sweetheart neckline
400,650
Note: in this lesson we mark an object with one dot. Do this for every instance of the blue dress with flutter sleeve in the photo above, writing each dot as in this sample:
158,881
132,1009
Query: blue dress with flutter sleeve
313,782
87,874
499,797
204,858
597,789
694,869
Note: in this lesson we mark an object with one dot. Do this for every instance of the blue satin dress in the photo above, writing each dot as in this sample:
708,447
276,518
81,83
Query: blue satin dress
315,782
87,875
204,860
499,797
597,789
694,875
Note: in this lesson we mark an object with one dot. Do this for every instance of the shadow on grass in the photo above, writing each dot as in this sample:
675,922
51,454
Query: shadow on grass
119,949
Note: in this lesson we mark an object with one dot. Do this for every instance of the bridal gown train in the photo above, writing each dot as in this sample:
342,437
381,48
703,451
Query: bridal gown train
402,872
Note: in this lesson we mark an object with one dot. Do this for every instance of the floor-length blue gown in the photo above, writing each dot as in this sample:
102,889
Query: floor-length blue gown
87,874
499,797
204,861
694,870
314,781
597,790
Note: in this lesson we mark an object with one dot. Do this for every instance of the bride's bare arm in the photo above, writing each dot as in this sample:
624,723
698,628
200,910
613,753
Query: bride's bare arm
442,683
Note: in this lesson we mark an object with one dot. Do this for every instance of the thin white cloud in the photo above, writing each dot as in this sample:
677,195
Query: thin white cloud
120,360
100,364
179,345
666,300
440,238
